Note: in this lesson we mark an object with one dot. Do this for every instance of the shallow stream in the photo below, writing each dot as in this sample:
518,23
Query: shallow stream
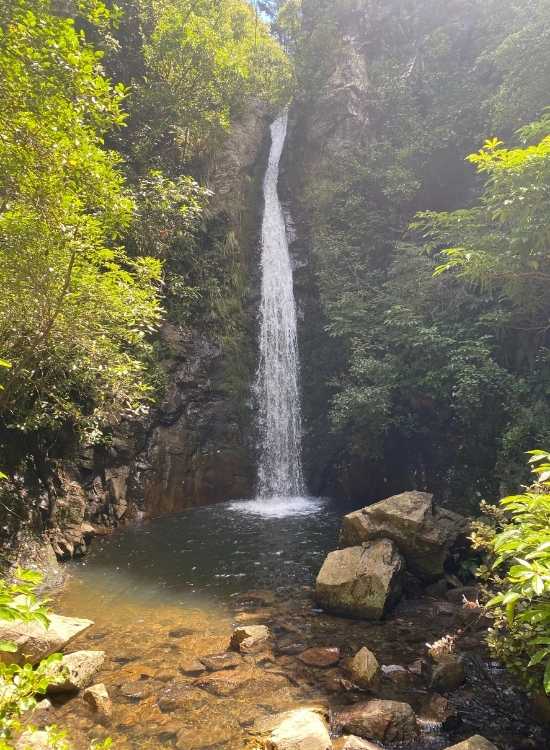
169,592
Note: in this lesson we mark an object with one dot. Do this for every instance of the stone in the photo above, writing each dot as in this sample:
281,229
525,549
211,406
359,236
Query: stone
419,667
351,742
225,660
301,729
397,674
361,581
99,701
191,667
248,639
385,721
364,668
477,742
438,709
178,696
320,657
423,532
226,682
34,642
448,674
29,740
140,689
80,669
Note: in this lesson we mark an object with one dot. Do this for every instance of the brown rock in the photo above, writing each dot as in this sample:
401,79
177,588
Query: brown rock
474,743
320,657
98,699
78,669
225,660
248,639
191,667
448,674
364,668
140,689
438,709
386,721
34,642
361,581
178,696
301,729
226,682
351,742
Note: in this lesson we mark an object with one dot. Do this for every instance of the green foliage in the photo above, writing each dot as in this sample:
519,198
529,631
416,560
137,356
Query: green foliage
519,548
76,310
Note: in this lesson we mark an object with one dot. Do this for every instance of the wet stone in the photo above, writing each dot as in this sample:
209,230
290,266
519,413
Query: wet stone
179,696
448,675
320,657
191,667
225,660
140,689
180,632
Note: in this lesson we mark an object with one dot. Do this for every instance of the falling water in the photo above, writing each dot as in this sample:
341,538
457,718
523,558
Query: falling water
280,466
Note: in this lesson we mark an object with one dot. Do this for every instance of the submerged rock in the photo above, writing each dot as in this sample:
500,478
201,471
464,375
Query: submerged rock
225,660
364,668
301,729
34,642
386,721
477,742
423,532
248,639
320,657
78,669
361,581
99,701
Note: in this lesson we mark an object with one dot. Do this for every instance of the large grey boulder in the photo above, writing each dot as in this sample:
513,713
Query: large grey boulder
385,721
77,670
301,729
423,532
34,642
363,581
477,742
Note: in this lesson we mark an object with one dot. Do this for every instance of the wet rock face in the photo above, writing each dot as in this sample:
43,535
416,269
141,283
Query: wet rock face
385,721
361,581
423,532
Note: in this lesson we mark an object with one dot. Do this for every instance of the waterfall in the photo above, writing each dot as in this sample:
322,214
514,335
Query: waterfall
277,387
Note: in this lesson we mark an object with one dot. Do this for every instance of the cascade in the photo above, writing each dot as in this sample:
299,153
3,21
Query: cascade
277,378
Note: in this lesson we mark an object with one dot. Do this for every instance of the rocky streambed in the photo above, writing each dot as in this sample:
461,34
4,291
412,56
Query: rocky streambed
166,599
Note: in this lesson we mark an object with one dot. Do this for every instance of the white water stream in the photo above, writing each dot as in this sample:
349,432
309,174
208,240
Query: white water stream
277,387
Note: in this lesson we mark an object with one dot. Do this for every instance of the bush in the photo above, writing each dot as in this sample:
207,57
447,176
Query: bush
518,542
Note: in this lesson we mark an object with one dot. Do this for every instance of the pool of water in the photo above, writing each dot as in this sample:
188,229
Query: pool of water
169,592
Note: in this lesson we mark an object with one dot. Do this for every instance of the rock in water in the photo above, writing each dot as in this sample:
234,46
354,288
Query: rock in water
34,642
477,742
448,674
302,729
423,532
386,721
361,581
80,669
98,699
248,639
351,742
364,668
320,657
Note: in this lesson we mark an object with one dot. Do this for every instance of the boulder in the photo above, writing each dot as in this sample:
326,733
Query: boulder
363,581
477,742
78,669
448,674
386,721
364,668
438,709
99,701
320,657
34,642
351,742
301,729
423,532
248,639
